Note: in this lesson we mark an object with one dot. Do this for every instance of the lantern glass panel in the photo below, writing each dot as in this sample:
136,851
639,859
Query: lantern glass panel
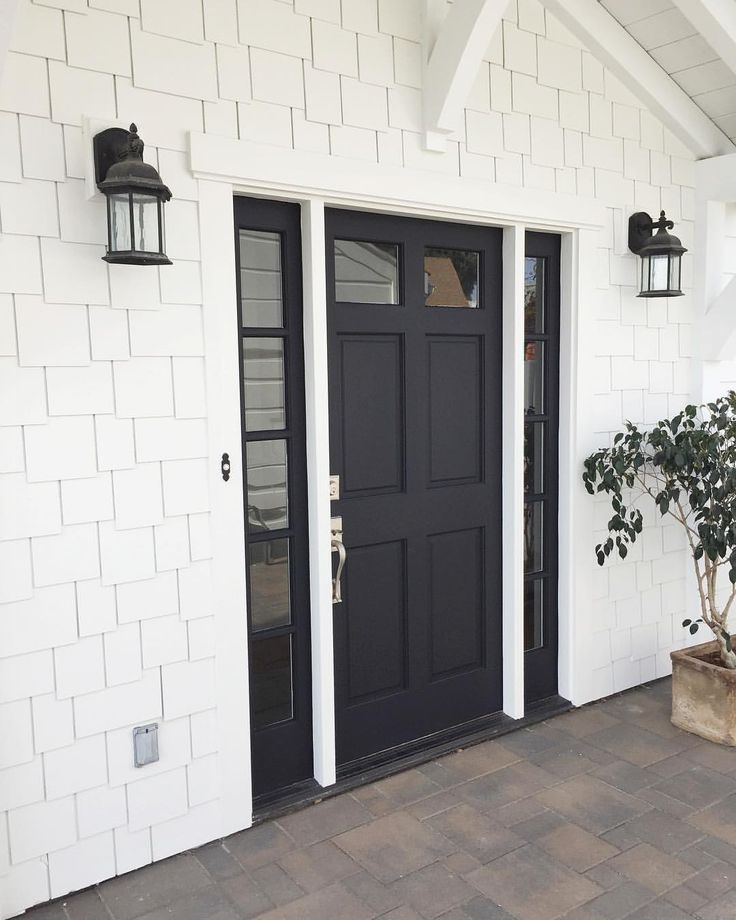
675,263
659,272
145,223
119,215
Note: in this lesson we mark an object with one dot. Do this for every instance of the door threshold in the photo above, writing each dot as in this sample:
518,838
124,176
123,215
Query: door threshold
396,760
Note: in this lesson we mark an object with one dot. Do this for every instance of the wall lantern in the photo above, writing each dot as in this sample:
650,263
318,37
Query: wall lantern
661,255
135,199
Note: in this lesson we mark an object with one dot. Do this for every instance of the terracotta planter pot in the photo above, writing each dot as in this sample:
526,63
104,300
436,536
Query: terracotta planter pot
704,694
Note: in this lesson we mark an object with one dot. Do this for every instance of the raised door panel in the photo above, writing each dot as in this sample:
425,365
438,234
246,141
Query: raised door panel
372,372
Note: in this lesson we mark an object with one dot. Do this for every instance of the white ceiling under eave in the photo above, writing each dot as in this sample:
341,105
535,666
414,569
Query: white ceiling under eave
682,37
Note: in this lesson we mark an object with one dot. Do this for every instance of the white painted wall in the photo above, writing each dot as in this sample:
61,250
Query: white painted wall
109,616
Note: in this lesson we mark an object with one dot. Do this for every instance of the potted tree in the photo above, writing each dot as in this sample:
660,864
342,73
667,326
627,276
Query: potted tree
686,466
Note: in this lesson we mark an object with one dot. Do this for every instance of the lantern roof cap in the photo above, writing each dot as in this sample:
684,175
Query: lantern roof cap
131,172
662,242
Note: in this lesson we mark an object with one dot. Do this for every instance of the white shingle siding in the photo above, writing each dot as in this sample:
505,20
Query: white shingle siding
106,618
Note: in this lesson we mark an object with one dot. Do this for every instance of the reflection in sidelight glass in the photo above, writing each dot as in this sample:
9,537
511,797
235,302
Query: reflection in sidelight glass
451,277
263,381
533,537
269,584
267,486
534,378
271,680
534,457
261,295
366,272
533,614
533,295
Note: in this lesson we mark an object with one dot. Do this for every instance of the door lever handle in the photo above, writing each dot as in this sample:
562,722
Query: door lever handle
338,546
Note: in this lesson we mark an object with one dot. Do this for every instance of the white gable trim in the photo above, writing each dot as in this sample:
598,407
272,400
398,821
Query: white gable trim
593,25
716,22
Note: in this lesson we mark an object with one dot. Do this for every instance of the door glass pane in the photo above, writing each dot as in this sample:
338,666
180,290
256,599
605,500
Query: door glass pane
271,680
533,295
533,542
533,614
534,378
269,584
267,489
263,377
451,278
534,457
260,279
366,272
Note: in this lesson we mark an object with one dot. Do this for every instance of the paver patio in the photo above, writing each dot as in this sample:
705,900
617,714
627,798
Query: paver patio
602,813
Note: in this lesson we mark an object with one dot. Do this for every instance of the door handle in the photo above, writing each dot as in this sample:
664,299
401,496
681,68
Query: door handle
337,546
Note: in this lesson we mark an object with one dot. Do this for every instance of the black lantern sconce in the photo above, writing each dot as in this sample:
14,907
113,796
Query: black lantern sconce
135,199
661,255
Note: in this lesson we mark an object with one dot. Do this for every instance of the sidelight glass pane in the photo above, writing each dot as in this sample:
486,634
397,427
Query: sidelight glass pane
271,682
269,584
366,272
534,378
533,537
260,279
534,457
451,278
119,207
533,295
533,614
267,486
263,380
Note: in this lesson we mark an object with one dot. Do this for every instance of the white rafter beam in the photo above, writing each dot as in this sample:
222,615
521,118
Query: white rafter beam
452,58
612,45
716,22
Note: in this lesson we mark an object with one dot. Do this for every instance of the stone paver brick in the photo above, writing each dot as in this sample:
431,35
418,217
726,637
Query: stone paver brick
604,813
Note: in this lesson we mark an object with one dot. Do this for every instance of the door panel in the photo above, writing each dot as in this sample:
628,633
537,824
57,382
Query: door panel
376,635
414,337
455,409
372,417
456,586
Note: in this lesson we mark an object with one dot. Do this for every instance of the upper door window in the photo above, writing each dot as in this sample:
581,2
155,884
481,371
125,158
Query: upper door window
451,277
366,272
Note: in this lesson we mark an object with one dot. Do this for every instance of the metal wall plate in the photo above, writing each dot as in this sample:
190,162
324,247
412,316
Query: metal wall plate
145,744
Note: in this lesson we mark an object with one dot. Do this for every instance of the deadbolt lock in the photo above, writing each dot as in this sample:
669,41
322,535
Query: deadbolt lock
334,488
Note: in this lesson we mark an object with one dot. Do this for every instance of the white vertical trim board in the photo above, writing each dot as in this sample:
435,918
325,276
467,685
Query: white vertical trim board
568,484
512,474
219,295
318,471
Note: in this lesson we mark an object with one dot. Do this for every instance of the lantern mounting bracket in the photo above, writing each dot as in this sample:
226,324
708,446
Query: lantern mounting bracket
641,227
108,146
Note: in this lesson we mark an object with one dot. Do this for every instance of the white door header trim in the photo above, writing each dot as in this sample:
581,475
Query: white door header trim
283,172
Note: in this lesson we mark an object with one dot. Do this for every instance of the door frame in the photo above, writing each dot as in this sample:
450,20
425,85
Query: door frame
225,167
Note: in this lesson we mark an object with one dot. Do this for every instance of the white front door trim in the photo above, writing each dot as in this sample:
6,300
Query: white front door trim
226,167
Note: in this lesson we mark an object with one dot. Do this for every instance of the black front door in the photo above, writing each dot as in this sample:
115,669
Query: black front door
268,254
414,326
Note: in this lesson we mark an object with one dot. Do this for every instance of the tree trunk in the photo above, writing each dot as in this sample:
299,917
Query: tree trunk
728,656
